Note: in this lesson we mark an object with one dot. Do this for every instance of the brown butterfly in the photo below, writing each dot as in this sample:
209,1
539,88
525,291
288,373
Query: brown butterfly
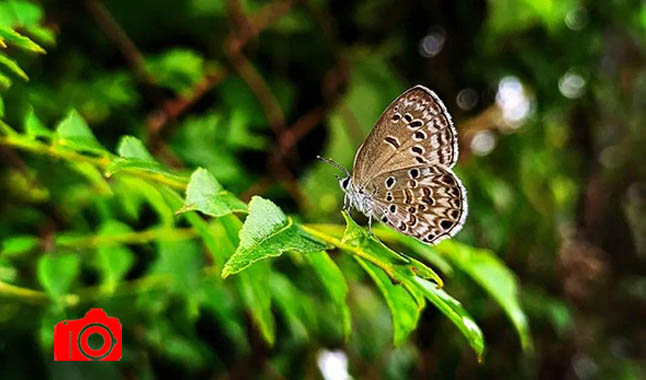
402,173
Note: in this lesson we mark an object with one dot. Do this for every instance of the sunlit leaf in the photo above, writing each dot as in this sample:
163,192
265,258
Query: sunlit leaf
34,127
298,309
494,276
378,253
204,193
178,69
254,288
404,308
368,248
74,133
454,310
57,271
253,284
18,245
334,283
133,157
11,37
12,66
132,147
267,232
113,260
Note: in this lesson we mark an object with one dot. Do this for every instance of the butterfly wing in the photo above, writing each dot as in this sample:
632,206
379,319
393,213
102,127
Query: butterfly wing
414,129
427,202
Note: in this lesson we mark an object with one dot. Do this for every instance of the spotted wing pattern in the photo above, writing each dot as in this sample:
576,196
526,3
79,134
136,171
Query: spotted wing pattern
427,202
415,129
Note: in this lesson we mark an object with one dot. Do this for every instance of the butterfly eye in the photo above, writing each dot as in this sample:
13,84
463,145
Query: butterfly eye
345,182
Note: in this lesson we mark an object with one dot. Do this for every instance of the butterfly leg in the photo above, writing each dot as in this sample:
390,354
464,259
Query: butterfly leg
370,224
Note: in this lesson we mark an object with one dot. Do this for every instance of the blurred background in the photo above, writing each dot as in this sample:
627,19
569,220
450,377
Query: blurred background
549,100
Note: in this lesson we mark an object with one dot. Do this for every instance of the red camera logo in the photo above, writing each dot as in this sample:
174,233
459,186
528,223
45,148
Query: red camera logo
71,338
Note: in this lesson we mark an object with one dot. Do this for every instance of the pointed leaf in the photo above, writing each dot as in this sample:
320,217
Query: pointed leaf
113,260
132,147
56,272
454,310
204,193
334,283
133,157
74,132
395,264
297,307
493,275
34,127
13,67
18,245
404,309
11,37
253,284
267,232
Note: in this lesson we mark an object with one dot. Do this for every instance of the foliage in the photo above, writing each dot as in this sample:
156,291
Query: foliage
161,165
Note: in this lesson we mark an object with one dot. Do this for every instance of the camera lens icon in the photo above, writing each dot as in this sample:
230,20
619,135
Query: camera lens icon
109,341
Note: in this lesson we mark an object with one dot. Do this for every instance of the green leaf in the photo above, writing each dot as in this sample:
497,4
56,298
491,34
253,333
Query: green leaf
5,82
132,147
396,264
18,245
113,260
224,303
297,307
133,157
34,127
8,272
57,271
335,284
253,284
493,275
178,69
183,261
422,250
74,132
509,16
213,235
365,246
17,13
404,308
13,67
454,310
204,193
11,37
267,232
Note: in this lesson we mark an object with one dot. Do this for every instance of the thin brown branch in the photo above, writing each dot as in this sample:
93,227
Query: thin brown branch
170,110
261,90
115,32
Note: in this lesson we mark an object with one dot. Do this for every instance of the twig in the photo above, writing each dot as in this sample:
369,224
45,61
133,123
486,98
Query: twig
172,109
114,31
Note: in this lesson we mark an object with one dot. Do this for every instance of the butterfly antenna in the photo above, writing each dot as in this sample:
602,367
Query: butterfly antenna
334,163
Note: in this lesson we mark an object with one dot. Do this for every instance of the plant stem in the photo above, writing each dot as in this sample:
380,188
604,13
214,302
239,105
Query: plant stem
136,237
35,146
385,266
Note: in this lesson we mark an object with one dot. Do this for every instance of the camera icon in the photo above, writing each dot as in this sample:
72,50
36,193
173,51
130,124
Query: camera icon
71,338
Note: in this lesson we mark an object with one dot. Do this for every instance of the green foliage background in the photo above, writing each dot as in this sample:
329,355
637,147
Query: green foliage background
157,160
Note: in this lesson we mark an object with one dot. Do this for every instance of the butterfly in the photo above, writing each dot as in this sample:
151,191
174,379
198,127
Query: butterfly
402,172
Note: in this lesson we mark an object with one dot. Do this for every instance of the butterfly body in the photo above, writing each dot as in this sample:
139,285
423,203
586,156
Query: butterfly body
402,173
